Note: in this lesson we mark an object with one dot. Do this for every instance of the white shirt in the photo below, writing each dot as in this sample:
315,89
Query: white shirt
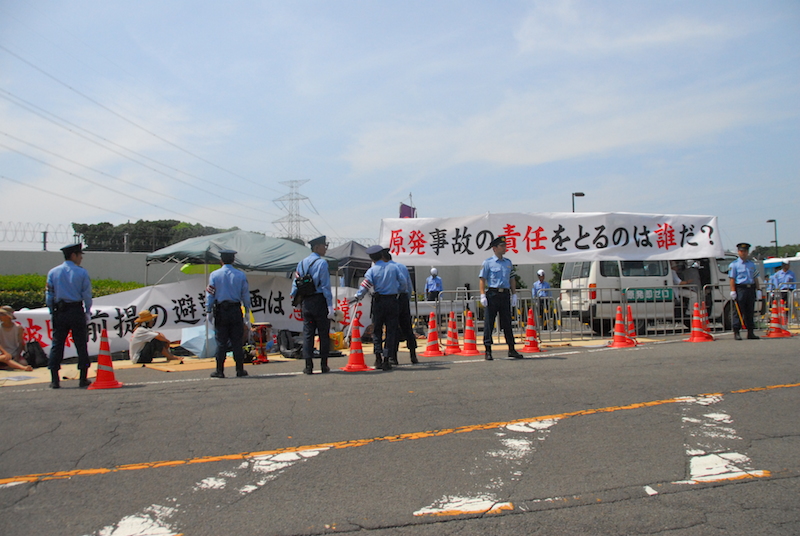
141,336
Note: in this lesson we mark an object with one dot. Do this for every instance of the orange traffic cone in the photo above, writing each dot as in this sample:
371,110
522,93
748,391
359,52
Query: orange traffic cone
776,330
631,327
784,315
531,337
432,349
452,346
105,369
621,339
470,345
699,332
355,362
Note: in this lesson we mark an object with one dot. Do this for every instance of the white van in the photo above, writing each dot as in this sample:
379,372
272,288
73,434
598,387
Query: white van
593,290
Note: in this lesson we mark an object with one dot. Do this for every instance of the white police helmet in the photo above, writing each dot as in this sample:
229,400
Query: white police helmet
540,272
434,271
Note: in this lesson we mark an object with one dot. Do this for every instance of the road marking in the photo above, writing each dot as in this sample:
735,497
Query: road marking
56,475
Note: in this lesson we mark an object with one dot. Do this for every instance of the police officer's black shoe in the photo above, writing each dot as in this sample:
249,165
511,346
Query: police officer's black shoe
515,354
308,371
387,364
414,355
736,336
393,361
378,362
241,373
325,369
752,336
83,384
488,354
217,374
55,385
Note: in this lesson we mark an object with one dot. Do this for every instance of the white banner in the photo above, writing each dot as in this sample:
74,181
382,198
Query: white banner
178,305
539,238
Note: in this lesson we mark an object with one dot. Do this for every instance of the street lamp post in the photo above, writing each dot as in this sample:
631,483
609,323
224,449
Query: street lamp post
574,195
775,223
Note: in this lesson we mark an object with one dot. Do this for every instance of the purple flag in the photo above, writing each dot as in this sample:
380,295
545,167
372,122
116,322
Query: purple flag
407,211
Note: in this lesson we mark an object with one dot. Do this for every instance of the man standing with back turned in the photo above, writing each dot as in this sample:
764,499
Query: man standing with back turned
317,308
69,298
226,293
498,296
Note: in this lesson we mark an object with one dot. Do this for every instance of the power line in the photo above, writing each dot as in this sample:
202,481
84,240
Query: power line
130,183
28,105
129,121
37,190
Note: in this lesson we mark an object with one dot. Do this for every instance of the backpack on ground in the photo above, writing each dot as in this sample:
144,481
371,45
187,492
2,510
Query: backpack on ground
34,354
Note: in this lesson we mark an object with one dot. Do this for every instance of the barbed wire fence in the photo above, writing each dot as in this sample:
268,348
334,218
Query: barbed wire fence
42,233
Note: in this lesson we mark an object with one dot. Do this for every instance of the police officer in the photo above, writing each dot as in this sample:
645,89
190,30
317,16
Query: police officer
541,291
404,328
783,280
69,298
744,288
387,283
498,296
226,293
433,285
317,308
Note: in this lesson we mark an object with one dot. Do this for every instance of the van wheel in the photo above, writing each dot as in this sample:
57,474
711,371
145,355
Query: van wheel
602,327
726,316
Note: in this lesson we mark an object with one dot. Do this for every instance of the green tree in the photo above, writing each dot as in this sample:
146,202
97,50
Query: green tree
143,236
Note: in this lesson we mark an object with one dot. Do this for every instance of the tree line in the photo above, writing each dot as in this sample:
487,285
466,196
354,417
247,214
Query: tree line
142,236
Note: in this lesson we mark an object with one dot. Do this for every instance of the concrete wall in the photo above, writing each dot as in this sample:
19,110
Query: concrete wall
101,265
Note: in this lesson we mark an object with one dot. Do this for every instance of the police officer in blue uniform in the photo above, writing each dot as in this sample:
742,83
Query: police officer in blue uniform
69,299
226,293
744,290
405,330
433,285
498,296
387,283
317,308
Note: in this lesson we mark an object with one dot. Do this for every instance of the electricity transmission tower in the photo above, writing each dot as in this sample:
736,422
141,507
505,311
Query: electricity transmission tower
291,204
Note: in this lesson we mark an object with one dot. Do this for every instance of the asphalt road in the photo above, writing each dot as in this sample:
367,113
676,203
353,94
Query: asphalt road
673,438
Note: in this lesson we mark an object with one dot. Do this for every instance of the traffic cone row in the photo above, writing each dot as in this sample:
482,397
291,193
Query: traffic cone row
470,344
776,329
452,346
105,368
621,337
432,349
700,332
355,362
531,337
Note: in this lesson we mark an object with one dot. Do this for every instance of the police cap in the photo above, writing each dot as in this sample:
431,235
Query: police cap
742,245
226,255
72,248
497,241
373,250
317,241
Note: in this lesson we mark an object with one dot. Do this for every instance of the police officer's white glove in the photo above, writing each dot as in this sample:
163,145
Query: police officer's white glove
758,294
484,301
331,313
88,317
513,300
733,294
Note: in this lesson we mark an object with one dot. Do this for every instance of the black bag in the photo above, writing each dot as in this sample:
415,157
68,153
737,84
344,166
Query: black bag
290,346
305,286
34,354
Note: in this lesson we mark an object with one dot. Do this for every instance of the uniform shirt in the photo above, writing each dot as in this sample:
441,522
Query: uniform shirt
319,272
384,278
742,272
540,289
68,282
227,284
496,272
406,276
434,283
780,280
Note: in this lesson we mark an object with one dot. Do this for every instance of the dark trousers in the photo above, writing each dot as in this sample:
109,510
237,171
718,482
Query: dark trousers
229,323
385,312
315,321
498,303
405,330
69,318
746,298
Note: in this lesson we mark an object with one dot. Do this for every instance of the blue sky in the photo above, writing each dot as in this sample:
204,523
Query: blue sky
470,107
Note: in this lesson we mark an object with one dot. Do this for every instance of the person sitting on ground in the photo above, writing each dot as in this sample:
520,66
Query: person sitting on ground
147,343
11,343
